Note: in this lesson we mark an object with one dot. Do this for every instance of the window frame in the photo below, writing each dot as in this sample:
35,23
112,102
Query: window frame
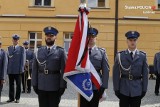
158,4
42,4
106,5
67,40
35,39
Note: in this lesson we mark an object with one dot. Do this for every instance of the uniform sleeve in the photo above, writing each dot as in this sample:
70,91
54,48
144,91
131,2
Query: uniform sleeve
32,57
105,71
145,75
7,52
155,63
35,72
23,60
63,63
116,74
5,64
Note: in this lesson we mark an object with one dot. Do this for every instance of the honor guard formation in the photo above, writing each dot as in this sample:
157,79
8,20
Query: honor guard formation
44,69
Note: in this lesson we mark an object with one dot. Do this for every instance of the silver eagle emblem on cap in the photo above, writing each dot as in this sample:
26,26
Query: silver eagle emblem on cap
133,32
49,27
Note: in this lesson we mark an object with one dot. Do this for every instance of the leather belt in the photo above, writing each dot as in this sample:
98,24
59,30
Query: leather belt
49,72
131,77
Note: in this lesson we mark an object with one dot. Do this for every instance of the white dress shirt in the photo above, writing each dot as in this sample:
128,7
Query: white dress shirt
134,52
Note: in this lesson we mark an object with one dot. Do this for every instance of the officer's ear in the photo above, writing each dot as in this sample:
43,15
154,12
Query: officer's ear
126,40
55,37
95,37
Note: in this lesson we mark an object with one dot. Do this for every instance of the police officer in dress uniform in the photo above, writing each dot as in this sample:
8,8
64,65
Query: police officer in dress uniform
157,72
26,76
99,60
48,70
130,73
16,62
3,67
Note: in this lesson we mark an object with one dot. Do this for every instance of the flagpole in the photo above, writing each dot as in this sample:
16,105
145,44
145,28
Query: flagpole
83,3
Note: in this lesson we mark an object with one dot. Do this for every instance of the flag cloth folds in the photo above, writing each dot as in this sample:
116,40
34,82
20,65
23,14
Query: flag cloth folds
79,71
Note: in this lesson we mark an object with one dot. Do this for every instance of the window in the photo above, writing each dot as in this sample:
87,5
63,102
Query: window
96,3
158,4
67,40
43,2
35,39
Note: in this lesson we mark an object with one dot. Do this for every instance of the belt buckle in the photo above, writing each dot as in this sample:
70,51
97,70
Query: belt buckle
45,71
130,77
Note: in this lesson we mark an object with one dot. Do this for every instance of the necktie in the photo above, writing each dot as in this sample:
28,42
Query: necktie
48,50
14,48
90,51
131,54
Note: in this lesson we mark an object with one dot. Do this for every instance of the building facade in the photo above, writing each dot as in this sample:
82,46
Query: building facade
28,18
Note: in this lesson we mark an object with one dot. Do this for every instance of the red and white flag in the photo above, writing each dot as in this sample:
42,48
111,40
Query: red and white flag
79,71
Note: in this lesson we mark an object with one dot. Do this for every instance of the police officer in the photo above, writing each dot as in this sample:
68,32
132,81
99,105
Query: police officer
130,73
3,67
26,76
157,72
48,70
16,62
99,60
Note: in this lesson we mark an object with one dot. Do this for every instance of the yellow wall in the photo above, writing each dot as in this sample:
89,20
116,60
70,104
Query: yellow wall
36,18
138,12
149,40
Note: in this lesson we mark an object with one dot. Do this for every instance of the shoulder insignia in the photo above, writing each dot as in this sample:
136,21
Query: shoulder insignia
41,47
59,47
2,50
143,52
102,49
9,46
121,51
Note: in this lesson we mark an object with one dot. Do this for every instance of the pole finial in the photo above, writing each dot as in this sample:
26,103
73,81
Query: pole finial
83,1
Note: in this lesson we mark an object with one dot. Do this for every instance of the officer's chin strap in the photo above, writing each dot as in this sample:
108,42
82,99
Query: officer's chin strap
120,63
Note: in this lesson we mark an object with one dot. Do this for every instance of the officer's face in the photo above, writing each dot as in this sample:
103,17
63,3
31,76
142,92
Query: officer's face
132,43
25,46
15,41
92,40
50,39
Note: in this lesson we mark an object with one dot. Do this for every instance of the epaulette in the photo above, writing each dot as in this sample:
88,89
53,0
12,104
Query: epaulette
2,50
9,46
59,47
103,49
143,52
21,47
121,51
41,47
157,53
